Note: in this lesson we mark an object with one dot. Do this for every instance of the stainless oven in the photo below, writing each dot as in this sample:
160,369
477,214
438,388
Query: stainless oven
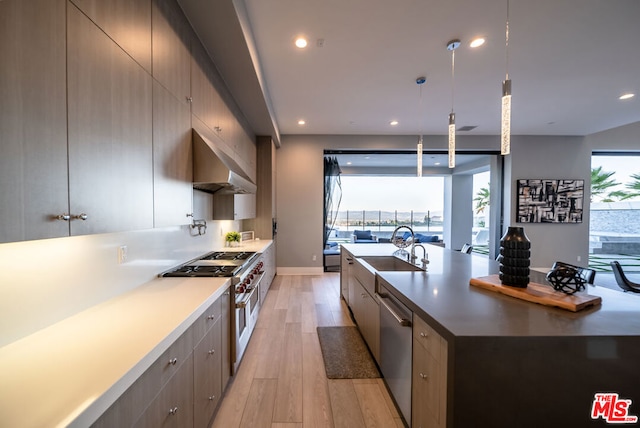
247,306
246,271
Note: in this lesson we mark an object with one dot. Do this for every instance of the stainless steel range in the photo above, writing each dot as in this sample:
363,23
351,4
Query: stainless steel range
246,271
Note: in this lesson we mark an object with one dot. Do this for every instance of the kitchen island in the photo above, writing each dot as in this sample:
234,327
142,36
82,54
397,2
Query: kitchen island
512,363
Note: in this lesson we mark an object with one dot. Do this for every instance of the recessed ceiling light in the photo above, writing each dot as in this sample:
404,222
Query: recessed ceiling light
626,96
349,163
393,123
301,122
367,157
477,42
437,163
301,42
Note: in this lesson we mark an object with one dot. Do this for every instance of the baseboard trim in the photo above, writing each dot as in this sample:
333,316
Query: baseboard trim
299,271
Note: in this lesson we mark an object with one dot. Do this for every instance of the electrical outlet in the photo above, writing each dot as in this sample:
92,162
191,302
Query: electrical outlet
122,254
221,232
579,258
313,258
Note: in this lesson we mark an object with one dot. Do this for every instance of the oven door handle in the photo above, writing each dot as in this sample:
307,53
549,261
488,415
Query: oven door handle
243,303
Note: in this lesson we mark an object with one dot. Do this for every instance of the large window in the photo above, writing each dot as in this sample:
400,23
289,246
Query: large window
380,204
614,228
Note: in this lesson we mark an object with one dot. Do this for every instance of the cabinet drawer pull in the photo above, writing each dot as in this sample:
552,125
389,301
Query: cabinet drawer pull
81,216
173,361
423,376
212,351
212,397
63,217
173,411
423,334
211,317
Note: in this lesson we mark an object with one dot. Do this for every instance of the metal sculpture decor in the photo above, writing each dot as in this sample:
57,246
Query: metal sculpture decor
550,201
566,279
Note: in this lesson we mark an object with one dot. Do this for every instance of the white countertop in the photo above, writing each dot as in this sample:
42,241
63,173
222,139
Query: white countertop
71,372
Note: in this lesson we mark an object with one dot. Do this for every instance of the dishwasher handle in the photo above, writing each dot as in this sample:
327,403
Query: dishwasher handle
402,321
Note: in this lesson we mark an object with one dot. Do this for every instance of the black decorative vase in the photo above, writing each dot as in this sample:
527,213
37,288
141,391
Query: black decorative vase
515,250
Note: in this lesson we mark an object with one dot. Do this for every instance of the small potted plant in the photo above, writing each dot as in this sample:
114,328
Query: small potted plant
232,238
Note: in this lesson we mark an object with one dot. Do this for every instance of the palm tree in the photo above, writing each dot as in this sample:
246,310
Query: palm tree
481,200
634,186
602,184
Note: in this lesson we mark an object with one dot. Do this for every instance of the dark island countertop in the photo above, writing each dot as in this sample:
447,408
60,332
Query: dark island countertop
443,296
513,363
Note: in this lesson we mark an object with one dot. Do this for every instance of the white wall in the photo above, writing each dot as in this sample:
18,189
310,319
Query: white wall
551,158
458,214
45,281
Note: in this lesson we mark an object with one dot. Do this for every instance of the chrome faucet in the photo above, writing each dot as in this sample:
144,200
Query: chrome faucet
424,258
401,242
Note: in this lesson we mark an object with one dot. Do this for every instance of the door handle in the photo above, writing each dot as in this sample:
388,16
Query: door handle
402,321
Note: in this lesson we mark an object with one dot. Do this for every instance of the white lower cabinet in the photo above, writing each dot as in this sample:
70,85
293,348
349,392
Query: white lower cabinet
429,377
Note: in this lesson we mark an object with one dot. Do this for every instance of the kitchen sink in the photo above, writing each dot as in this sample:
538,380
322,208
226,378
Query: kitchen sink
389,263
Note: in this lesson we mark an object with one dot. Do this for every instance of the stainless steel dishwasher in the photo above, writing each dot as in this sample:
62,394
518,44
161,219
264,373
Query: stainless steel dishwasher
395,349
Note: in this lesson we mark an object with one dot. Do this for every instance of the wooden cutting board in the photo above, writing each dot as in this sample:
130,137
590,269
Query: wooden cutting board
539,293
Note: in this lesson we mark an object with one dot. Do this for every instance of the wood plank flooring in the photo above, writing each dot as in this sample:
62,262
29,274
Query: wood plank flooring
282,383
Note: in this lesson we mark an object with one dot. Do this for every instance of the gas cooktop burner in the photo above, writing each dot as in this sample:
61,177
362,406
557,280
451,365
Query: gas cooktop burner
215,264
227,255
208,271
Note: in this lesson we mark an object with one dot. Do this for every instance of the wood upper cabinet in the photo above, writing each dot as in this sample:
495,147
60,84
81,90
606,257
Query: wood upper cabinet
126,22
109,119
246,152
234,207
33,129
171,36
266,193
172,159
206,100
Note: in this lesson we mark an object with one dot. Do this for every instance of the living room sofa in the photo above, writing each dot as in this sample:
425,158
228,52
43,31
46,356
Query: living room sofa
363,237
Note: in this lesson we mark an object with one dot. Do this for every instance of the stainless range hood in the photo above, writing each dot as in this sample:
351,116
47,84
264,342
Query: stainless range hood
216,172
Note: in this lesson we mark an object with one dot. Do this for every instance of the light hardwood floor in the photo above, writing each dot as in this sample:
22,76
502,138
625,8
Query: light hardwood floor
282,382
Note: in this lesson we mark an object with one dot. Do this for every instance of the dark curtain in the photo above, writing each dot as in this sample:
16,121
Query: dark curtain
332,195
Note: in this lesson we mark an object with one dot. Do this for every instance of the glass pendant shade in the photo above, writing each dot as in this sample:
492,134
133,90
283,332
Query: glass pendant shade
505,132
419,152
452,140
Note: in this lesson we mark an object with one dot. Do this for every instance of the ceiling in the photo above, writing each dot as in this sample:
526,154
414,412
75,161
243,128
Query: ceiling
402,163
569,61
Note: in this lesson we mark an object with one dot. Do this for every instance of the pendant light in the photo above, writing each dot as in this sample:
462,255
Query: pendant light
420,81
505,124
452,46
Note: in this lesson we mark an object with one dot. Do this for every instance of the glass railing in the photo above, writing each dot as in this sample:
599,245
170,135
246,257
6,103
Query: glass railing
383,223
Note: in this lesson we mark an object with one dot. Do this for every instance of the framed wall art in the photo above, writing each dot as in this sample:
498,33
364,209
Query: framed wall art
550,201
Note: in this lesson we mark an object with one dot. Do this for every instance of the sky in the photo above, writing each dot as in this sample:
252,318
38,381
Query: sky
392,193
623,166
